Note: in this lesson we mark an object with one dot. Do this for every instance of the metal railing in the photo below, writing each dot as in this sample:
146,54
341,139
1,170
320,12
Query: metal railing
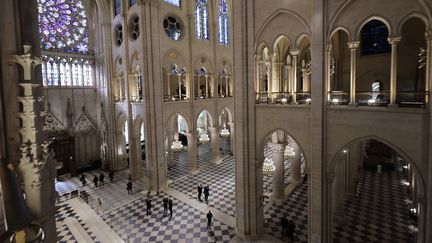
175,97
283,98
339,97
412,98
369,98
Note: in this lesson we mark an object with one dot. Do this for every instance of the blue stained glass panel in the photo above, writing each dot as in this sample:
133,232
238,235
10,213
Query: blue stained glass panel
201,19
174,2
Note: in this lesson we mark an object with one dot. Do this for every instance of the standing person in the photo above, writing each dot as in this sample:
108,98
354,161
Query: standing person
209,220
111,176
165,206
290,230
83,180
101,178
206,193
100,204
95,181
129,187
148,202
170,205
199,192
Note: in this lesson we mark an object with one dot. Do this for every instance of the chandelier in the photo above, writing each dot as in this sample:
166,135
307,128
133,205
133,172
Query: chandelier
176,146
224,133
204,138
289,152
268,166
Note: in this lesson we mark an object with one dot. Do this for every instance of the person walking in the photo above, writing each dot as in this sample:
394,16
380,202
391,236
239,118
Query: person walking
101,178
148,202
129,187
209,220
95,181
170,206
165,206
111,176
199,192
206,193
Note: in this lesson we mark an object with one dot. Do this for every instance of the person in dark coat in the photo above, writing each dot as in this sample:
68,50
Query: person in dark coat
111,176
209,220
101,178
129,187
148,202
95,180
284,225
83,180
165,206
170,206
199,192
206,193
290,230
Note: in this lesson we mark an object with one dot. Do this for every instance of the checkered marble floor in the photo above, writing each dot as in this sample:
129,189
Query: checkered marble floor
379,213
132,224
112,195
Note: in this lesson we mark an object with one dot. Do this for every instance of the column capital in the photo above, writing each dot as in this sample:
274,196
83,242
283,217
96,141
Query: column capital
394,40
329,47
428,35
257,57
294,52
353,45
277,147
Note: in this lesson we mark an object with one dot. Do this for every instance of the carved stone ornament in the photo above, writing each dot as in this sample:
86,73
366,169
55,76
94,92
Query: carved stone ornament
85,124
52,122
26,61
103,123
173,55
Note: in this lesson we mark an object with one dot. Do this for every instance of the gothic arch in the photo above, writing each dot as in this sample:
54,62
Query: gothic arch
332,164
300,39
374,17
410,16
137,123
203,61
210,116
173,56
121,119
230,117
188,123
341,28
261,46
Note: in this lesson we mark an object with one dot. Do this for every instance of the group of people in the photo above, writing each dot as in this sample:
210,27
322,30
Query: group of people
97,180
167,205
288,228
204,190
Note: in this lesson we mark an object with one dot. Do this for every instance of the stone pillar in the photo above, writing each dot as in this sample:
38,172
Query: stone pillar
278,174
206,86
328,71
179,86
258,73
135,163
353,68
232,142
394,41
215,145
306,80
188,85
295,177
428,63
170,136
227,86
192,151
273,71
169,85
294,55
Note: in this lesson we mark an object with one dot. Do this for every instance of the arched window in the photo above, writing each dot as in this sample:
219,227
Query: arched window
223,22
174,2
63,28
373,38
201,19
132,2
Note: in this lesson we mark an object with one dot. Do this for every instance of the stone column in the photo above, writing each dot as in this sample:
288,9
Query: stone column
215,145
295,177
278,174
294,55
169,85
206,86
192,151
305,74
170,136
232,142
428,63
258,73
328,71
135,162
227,86
393,41
273,71
179,86
353,68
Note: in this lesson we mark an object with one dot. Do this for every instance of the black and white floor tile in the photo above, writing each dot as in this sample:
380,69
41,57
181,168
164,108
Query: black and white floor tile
186,225
379,212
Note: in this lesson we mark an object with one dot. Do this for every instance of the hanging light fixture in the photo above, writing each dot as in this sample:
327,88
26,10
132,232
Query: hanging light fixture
289,152
176,146
268,166
204,138
224,132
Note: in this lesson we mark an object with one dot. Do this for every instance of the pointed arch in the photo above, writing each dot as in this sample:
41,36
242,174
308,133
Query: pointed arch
209,116
374,17
179,113
410,16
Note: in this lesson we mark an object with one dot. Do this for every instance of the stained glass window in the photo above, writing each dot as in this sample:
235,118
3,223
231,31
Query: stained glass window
63,26
117,7
77,74
132,2
88,77
174,2
223,22
373,38
201,19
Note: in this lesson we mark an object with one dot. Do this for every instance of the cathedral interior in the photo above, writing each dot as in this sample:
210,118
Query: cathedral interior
216,121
